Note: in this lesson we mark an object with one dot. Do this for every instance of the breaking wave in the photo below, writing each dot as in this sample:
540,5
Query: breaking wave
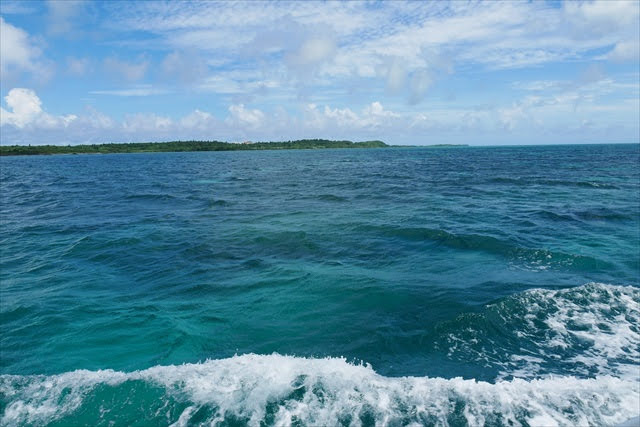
594,325
585,331
282,390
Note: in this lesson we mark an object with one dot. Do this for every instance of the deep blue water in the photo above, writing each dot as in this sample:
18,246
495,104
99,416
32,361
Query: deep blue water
380,286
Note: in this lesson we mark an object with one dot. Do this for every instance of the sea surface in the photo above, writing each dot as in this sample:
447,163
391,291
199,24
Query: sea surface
399,286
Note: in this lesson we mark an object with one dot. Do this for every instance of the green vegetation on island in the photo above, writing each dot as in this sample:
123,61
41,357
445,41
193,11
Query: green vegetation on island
175,146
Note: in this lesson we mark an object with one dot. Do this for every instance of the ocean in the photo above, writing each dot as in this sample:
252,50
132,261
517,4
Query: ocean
399,286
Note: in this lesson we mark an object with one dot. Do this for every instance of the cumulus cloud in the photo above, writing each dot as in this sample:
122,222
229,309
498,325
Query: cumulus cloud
510,117
141,123
531,119
371,119
375,115
26,109
25,106
199,120
19,53
25,113
243,116
94,120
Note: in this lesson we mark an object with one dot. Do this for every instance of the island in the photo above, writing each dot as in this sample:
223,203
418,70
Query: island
177,146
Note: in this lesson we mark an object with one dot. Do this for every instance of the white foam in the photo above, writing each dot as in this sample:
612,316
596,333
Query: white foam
584,331
604,320
331,391
598,323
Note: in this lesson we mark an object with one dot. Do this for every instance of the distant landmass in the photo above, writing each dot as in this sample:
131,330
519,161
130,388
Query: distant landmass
175,146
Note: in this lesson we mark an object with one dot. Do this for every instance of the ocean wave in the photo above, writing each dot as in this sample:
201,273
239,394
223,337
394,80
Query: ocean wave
584,216
590,333
552,182
149,197
218,202
519,256
285,390
331,198
583,331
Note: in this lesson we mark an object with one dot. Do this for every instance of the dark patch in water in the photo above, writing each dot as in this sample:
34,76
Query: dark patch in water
218,203
332,198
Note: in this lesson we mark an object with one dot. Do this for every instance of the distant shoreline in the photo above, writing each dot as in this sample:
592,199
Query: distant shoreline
191,146
182,146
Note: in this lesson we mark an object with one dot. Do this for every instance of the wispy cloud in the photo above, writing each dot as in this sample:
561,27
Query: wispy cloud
399,70
9,7
63,16
142,90
496,35
131,71
78,66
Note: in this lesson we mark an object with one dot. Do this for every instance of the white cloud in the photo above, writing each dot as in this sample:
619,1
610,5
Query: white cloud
9,7
243,116
628,50
421,80
237,82
372,118
406,46
396,74
28,116
146,122
602,17
62,14
188,67
539,85
78,66
313,51
510,117
139,90
290,52
25,106
95,120
374,115
200,120
18,52
581,111
26,109
130,71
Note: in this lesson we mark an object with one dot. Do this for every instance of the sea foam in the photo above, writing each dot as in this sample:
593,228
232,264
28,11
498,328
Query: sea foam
585,331
597,322
283,390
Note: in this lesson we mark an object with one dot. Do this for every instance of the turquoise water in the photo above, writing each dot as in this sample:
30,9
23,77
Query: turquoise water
453,286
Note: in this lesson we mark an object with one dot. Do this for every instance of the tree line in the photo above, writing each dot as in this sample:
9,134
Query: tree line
177,146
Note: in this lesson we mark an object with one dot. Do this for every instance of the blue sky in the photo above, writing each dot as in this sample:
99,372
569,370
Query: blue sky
405,72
